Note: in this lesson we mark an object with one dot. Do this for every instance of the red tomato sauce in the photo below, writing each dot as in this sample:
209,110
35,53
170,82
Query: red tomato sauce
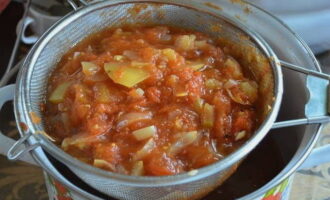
150,101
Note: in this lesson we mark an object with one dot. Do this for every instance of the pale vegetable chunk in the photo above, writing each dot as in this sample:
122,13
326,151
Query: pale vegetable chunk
145,133
103,164
199,104
124,74
57,96
184,140
208,116
233,69
89,68
250,89
196,65
145,150
139,64
80,141
240,135
137,169
213,84
170,54
118,57
129,118
181,94
102,93
139,91
244,92
185,42
136,93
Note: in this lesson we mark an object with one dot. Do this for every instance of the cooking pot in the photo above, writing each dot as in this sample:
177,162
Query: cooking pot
31,84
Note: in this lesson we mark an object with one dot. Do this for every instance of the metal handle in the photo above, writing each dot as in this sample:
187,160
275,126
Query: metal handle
15,149
308,120
74,5
31,39
303,121
304,70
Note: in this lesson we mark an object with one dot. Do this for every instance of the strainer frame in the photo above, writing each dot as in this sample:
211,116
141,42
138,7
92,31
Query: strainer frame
22,110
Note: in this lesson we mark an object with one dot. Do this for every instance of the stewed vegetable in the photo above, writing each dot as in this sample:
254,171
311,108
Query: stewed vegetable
150,101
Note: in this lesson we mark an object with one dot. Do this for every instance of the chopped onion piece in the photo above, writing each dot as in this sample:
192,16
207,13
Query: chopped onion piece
245,92
196,65
138,169
89,68
181,94
139,91
125,75
57,96
199,104
130,118
240,135
193,172
136,93
118,57
76,54
213,84
233,68
184,140
208,116
139,64
102,93
145,150
144,133
230,83
103,164
185,42
250,89
80,140
170,54
98,77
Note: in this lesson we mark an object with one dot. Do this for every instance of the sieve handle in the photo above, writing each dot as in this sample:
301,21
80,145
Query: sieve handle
325,118
6,143
303,121
304,70
75,6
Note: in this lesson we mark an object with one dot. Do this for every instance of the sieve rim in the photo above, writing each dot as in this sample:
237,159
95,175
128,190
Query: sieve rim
159,180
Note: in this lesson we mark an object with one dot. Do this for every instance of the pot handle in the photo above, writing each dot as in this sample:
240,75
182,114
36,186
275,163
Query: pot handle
6,94
26,23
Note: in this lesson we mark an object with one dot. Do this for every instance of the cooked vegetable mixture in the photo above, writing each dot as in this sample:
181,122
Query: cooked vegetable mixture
150,101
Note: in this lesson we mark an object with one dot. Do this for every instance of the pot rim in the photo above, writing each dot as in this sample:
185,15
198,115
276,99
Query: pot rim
286,173
22,102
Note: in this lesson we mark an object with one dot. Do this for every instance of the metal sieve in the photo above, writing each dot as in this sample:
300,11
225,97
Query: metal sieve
258,57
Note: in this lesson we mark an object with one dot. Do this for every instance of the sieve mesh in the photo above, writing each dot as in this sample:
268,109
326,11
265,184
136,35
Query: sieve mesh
95,18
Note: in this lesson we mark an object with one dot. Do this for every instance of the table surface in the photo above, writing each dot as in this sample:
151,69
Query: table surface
20,181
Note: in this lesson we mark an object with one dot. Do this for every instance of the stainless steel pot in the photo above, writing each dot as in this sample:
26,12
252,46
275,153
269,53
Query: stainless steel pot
28,94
